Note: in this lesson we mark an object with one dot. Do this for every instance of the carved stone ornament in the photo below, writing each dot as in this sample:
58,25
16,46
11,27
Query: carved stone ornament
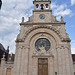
42,55
62,47
36,27
48,27
23,47
66,40
19,39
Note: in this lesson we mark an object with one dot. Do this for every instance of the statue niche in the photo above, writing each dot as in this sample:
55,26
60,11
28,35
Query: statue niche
42,49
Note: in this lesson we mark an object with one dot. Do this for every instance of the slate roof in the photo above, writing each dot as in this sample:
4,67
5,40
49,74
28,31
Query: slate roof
0,4
1,47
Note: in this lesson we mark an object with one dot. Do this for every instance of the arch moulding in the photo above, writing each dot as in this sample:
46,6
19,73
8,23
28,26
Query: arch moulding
33,29
48,27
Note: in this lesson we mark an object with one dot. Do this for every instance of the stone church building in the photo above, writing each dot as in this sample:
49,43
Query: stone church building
42,46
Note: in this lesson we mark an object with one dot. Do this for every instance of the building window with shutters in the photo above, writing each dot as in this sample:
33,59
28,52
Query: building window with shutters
8,72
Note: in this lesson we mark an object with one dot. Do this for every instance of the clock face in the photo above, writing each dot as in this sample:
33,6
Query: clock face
42,43
42,16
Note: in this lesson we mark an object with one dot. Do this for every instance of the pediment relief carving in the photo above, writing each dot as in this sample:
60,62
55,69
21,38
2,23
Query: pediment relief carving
43,53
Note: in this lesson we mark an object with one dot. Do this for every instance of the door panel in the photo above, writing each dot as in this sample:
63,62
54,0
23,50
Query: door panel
45,69
43,66
40,69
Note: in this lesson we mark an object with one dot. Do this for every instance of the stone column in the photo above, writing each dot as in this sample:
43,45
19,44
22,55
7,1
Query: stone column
49,6
55,61
59,60
35,66
22,61
26,61
71,61
68,61
44,6
51,69
39,7
63,61
18,60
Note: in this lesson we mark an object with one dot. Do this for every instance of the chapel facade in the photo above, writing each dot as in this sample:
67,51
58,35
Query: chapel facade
42,46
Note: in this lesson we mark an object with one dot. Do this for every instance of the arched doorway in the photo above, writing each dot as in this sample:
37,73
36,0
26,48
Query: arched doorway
42,66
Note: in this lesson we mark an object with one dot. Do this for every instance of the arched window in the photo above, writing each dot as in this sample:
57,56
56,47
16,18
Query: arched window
47,6
37,6
35,0
42,6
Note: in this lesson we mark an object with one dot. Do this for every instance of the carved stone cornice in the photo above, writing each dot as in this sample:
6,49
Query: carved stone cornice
41,1
50,23
42,10
42,56
62,47
19,40
23,47
66,40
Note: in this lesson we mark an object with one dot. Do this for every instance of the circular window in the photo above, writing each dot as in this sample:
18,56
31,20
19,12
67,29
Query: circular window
42,43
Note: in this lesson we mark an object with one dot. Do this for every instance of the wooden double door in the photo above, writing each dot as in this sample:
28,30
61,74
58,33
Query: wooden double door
42,66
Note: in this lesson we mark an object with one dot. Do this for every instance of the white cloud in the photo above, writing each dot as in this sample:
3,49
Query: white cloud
60,10
72,2
73,46
73,50
9,40
10,17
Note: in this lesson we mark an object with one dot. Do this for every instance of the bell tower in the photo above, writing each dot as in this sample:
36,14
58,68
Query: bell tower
42,5
42,12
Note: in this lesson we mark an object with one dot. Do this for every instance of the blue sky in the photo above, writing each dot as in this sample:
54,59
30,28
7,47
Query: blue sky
13,10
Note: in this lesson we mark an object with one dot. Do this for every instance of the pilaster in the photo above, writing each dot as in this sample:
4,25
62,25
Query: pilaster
59,61
35,66
18,62
51,65
68,61
25,60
